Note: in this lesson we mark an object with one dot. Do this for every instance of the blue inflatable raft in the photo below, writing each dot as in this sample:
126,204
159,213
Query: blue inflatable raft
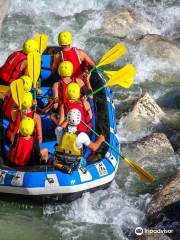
44,181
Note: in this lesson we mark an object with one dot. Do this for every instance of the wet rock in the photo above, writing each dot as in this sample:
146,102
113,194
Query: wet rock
165,205
4,6
144,113
156,144
158,47
153,236
172,120
119,24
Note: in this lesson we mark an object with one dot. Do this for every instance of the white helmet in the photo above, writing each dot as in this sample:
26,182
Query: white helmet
74,117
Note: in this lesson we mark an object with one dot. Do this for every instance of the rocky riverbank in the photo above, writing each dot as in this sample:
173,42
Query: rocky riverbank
163,211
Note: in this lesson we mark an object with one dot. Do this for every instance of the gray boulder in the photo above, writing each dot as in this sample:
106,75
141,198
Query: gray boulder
156,144
143,114
153,236
158,47
4,6
119,24
165,204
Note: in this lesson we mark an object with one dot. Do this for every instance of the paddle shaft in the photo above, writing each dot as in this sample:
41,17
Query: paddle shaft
89,72
95,91
122,156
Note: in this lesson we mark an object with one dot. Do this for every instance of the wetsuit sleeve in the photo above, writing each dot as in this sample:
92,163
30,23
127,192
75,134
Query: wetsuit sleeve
82,139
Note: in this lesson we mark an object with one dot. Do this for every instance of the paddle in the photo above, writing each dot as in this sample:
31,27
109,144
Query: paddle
17,91
42,40
140,171
123,78
34,68
110,56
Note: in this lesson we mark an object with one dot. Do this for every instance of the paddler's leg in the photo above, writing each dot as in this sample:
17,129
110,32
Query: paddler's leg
44,154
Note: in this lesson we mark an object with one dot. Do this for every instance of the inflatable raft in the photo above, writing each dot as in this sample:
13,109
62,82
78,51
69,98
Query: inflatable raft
44,181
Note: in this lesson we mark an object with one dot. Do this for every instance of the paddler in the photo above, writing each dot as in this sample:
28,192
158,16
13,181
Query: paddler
16,64
65,71
80,59
74,101
27,111
25,149
70,143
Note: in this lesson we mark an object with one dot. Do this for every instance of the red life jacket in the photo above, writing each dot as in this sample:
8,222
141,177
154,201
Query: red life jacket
7,106
11,68
14,125
62,91
21,150
84,114
73,57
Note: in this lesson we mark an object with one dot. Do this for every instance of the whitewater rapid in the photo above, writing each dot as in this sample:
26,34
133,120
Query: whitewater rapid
115,212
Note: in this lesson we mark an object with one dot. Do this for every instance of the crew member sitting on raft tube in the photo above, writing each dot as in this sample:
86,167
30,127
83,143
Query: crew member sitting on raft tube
28,111
16,64
24,150
70,142
14,68
8,100
74,101
65,71
80,60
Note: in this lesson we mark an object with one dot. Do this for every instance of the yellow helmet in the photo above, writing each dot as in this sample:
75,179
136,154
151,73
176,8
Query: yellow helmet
26,126
65,69
27,83
65,38
73,91
30,45
27,100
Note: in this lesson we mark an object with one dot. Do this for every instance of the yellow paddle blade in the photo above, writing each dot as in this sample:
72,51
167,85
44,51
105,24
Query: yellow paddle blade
3,90
140,171
42,40
123,77
34,66
17,91
113,54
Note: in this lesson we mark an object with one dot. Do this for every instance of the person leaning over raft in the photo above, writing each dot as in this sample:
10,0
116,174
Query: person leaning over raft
80,60
74,101
70,143
65,71
16,64
25,149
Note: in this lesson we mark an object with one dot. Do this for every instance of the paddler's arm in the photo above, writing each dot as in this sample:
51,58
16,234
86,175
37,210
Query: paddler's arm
24,68
87,107
61,114
95,145
37,119
55,63
84,57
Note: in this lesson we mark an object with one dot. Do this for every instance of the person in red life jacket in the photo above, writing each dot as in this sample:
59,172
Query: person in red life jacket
8,100
71,141
16,64
27,111
74,101
22,150
65,71
80,60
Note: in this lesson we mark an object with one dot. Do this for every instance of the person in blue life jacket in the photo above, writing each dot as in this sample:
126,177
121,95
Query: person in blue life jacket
70,143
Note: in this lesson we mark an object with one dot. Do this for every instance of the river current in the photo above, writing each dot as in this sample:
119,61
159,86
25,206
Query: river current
113,213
